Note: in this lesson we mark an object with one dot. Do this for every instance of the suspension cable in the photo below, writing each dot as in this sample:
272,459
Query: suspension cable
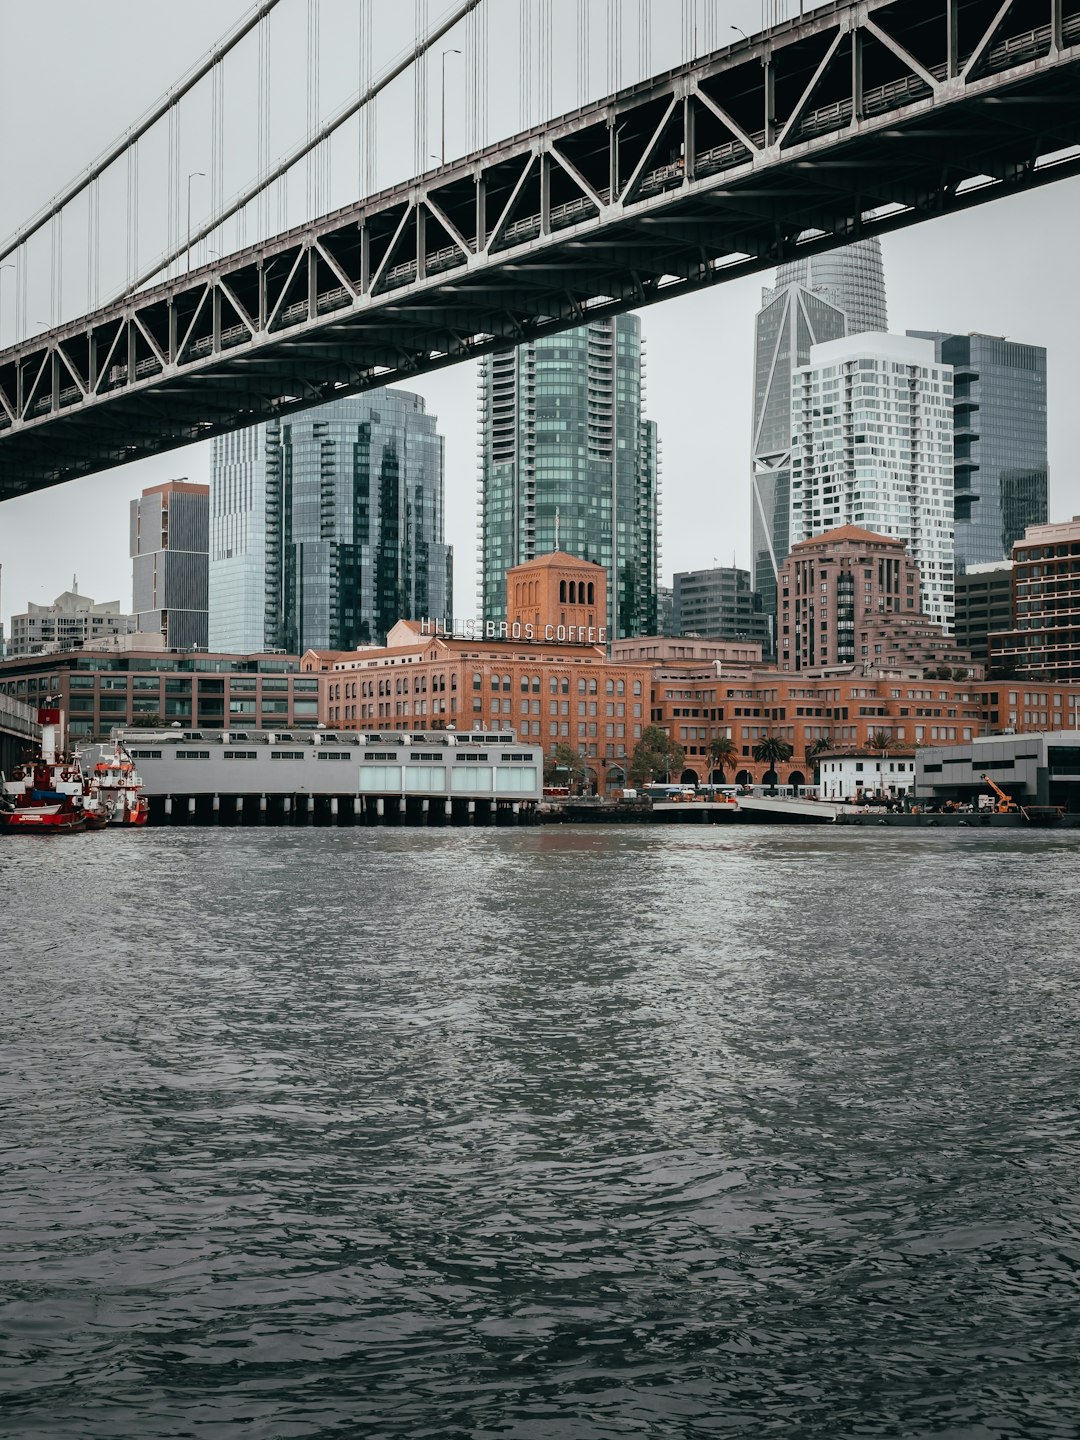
287,163
129,138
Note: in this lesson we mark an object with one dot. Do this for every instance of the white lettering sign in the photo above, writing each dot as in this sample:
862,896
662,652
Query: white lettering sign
474,629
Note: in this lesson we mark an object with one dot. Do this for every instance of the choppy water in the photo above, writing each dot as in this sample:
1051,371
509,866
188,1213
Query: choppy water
548,1133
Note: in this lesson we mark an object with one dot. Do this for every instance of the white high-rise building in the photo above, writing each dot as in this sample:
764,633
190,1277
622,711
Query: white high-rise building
872,446
816,298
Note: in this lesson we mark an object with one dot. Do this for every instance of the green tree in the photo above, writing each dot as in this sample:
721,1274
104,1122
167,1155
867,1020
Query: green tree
814,749
146,720
655,755
882,741
724,755
773,751
565,765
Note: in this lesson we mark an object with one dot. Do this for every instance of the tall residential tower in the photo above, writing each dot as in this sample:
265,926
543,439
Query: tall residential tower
568,463
328,528
872,447
816,298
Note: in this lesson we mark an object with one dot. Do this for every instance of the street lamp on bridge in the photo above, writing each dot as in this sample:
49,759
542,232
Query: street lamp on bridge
191,177
442,129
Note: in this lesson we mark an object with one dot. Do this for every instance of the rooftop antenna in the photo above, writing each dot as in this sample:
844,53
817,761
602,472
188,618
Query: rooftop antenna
556,527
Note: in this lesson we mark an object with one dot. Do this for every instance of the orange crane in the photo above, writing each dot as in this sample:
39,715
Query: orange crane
1006,805
1033,814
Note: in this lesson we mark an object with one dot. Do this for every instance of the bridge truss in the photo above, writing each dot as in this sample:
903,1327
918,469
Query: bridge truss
865,116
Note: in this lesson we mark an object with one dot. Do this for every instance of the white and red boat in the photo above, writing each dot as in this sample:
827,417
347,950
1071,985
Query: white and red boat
45,796
115,787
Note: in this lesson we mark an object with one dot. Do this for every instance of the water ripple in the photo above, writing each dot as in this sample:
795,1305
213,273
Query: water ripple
550,1133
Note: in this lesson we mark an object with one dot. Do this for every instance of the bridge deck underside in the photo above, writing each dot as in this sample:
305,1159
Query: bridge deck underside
858,120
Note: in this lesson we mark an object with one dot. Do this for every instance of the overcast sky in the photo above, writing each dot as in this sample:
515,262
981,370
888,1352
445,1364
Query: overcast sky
73,76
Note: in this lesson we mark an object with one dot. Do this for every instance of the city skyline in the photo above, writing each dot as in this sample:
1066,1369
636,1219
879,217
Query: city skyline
955,274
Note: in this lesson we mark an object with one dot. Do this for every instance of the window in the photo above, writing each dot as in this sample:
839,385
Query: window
286,754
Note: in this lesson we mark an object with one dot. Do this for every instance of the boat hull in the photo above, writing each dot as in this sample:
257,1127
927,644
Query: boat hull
35,821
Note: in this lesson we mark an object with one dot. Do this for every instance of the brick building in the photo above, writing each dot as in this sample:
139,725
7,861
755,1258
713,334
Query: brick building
853,597
1044,637
554,690
544,673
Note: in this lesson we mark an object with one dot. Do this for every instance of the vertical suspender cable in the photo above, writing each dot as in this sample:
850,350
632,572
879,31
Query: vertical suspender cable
545,96
485,88
132,212
373,123
583,51
614,45
525,64
312,103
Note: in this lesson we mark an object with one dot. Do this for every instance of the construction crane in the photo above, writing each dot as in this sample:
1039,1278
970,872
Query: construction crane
1033,814
1006,805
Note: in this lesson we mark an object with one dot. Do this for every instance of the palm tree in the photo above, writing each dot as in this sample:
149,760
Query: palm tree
773,751
723,754
813,750
882,741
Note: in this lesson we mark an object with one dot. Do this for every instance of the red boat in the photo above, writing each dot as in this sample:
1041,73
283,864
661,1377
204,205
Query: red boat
115,786
46,796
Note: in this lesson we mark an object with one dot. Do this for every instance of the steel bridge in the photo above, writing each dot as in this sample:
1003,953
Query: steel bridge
864,116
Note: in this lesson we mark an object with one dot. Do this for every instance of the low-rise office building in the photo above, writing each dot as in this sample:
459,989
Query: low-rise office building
719,604
1039,769
99,690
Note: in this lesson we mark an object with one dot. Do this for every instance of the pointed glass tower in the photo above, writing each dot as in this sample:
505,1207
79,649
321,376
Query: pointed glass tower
816,298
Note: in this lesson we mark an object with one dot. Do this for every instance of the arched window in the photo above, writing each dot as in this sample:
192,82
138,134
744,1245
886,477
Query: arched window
591,601
562,592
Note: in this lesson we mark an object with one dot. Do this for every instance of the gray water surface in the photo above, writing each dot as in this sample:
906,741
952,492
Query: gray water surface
547,1133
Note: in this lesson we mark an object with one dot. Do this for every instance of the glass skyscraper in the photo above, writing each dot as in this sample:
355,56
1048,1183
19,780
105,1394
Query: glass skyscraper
328,527
999,440
816,298
568,463
851,278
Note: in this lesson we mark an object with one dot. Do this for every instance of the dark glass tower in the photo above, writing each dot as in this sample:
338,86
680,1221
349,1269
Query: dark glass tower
568,463
327,528
999,441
